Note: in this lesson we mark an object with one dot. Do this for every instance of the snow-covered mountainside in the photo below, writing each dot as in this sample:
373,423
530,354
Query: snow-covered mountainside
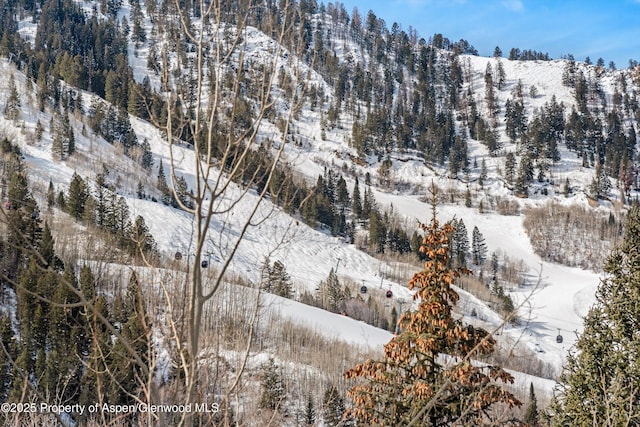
551,298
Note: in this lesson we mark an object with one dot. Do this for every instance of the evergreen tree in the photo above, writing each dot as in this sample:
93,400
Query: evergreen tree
599,384
146,160
65,340
61,200
7,353
141,238
23,225
57,144
467,198
600,184
63,144
184,195
478,247
87,284
329,185
129,373
89,215
342,194
12,107
265,275
136,101
368,203
394,320
332,407
525,176
459,242
483,174
280,281
100,200
274,392
117,216
95,380
323,208
162,185
357,200
377,231
77,198
566,190
340,227
46,251
410,385
51,195
515,119
531,414
138,32
397,240
32,295
331,292
39,130
71,138
510,167
123,132
494,264
309,414
501,75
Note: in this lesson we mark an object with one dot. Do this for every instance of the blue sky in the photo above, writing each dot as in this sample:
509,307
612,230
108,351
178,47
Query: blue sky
599,29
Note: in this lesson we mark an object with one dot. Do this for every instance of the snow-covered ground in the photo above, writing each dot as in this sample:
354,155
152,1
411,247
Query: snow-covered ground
332,325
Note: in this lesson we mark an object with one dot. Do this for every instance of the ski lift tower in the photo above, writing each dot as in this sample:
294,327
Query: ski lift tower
401,302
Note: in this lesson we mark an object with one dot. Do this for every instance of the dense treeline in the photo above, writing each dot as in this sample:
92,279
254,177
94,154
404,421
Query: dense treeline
328,204
67,341
86,52
411,100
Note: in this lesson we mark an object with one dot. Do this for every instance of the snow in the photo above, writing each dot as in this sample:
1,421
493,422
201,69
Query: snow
332,325
556,297
554,300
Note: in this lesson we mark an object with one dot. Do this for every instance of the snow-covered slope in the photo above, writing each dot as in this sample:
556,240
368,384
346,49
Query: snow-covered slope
553,300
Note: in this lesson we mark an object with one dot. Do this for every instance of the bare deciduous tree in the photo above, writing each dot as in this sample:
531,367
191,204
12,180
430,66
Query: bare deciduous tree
217,99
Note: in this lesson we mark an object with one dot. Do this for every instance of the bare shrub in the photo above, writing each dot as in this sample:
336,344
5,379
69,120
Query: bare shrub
507,206
572,235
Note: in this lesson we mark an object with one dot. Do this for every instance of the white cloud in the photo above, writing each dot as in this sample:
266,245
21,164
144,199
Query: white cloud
514,5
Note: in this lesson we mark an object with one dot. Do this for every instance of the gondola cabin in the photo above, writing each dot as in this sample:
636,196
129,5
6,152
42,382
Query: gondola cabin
389,294
363,289
178,256
204,264
559,339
